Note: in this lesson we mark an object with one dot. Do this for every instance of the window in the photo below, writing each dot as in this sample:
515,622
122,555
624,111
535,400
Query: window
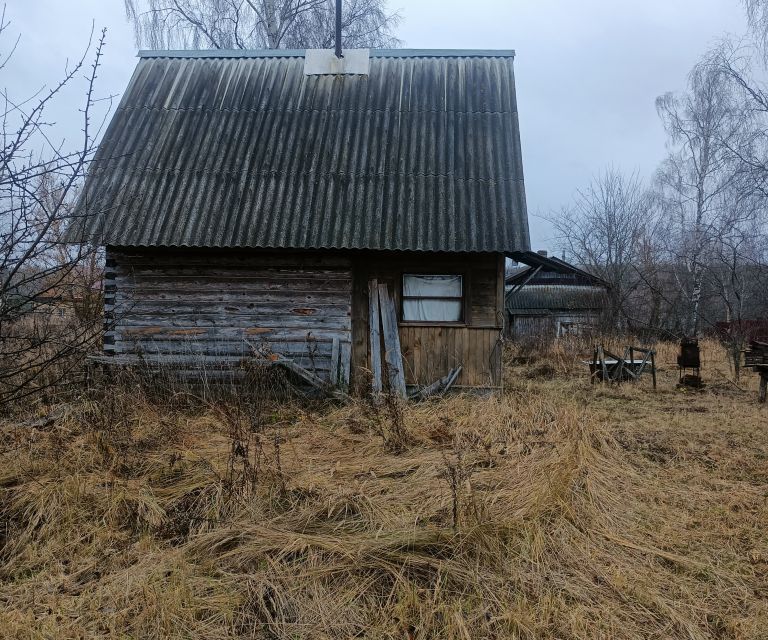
433,298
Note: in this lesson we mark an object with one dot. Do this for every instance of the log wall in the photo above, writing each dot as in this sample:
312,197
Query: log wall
199,309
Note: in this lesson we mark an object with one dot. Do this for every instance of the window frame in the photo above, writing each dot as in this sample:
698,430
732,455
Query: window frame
463,299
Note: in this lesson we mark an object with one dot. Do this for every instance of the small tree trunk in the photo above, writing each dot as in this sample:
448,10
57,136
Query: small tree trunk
695,302
272,26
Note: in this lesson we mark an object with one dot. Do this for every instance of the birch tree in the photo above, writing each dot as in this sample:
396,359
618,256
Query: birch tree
757,16
704,125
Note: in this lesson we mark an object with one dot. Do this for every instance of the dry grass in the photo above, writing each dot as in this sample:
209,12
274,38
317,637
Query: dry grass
556,510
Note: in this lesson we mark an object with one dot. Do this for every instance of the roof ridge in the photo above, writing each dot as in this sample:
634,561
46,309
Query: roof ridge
300,53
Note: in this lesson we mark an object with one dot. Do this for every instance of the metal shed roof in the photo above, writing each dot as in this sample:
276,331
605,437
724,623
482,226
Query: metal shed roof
541,265
241,149
533,299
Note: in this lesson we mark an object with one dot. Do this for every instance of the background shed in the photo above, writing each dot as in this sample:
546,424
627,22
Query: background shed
549,298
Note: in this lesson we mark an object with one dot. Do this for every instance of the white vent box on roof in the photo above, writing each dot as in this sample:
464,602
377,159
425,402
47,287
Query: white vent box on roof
323,62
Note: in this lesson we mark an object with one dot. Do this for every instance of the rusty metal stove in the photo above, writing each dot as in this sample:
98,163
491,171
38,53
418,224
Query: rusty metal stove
757,358
689,360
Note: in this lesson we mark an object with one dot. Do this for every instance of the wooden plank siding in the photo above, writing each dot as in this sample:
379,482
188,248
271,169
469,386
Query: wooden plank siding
431,350
545,327
192,309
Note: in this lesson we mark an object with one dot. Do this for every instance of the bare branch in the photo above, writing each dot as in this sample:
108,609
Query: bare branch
44,284
259,24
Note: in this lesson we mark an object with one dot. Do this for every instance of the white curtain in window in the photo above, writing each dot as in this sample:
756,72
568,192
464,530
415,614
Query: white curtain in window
429,307
432,310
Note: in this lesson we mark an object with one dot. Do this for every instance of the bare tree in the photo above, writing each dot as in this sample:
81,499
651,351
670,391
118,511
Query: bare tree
715,184
735,271
757,16
739,278
704,126
259,24
42,279
605,231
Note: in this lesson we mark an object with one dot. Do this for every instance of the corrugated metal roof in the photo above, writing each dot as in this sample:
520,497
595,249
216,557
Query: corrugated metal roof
546,266
246,151
532,298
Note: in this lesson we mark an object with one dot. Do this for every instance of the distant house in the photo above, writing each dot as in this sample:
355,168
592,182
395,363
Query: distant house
550,298
248,199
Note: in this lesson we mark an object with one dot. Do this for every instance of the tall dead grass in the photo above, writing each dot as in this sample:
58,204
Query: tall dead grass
567,355
556,510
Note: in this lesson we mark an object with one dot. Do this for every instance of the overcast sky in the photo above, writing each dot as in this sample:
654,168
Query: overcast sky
588,71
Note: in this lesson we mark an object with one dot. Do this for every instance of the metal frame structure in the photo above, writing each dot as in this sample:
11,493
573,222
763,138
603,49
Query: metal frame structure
608,367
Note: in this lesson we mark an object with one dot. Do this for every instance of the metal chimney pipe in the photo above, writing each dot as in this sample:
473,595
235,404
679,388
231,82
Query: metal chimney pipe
338,29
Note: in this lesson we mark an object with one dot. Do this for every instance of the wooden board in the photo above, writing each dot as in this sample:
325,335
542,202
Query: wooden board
392,354
374,335
345,364
335,363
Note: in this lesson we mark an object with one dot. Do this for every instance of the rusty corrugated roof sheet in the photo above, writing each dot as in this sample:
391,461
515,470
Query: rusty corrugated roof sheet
241,149
539,298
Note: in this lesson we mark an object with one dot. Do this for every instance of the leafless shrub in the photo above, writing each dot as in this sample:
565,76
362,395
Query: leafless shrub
49,292
244,459
455,475
383,414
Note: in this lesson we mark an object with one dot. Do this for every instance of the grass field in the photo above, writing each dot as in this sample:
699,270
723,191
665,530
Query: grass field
555,510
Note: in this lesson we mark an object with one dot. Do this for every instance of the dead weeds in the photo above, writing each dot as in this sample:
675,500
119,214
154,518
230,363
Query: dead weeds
556,509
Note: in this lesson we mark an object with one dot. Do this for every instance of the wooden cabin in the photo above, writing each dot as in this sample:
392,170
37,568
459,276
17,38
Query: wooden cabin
247,199
550,298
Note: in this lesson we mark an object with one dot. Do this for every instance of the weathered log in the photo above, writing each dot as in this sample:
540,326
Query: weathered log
188,312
